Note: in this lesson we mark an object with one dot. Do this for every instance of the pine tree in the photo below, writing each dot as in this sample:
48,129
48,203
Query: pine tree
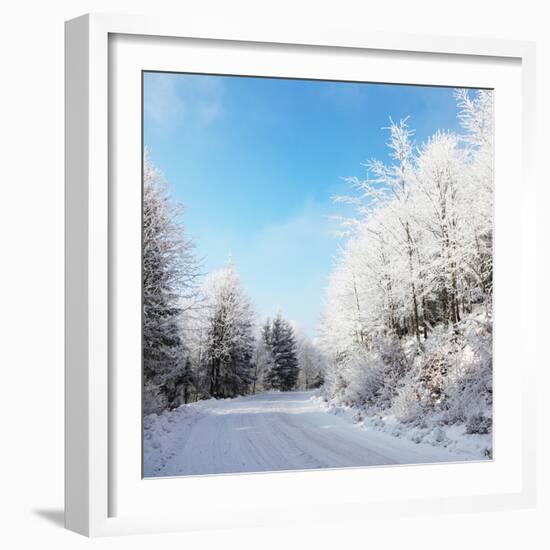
169,275
282,342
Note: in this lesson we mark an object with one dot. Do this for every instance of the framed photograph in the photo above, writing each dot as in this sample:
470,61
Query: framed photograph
294,288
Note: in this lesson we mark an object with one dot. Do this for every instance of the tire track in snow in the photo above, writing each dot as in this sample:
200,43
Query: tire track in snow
282,431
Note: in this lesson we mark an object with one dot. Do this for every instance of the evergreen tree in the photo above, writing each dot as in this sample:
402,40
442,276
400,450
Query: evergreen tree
169,275
178,387
281,340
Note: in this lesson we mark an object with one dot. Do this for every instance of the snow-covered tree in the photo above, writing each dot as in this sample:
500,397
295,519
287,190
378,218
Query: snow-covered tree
228,345
416,270
281,340
262,360
169,283
311,361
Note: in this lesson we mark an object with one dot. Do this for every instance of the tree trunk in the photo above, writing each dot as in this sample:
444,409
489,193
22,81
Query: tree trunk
413,289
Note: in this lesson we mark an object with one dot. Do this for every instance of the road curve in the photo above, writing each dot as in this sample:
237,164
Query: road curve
282,431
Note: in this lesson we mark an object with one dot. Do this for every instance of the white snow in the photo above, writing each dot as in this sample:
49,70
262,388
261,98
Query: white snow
452,437
269,432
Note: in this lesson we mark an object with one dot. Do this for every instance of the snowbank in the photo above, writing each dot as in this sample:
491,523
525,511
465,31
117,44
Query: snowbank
163,433
452,437
158,436
439,393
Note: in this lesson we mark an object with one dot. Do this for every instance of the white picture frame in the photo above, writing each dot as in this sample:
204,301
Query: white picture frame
104,494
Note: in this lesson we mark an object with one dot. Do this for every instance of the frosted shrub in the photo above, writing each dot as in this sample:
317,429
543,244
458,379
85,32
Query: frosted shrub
335,380
435,364
447,381
395,367
365,372
369,378
479,424
469,386
406,406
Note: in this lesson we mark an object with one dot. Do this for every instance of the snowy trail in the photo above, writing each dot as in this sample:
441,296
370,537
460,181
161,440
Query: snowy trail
276,431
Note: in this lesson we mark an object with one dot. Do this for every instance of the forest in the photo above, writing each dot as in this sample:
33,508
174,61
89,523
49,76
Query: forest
406,331
201,337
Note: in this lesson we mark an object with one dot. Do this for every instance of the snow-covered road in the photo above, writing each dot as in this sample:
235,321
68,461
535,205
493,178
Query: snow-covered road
267,432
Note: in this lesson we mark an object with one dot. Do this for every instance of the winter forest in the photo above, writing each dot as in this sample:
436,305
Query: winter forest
402,353
201,338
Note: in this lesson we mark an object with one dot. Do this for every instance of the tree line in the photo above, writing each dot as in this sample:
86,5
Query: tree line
408,317
407,324
200,336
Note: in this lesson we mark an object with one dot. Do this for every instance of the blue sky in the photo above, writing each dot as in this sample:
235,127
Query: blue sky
256,162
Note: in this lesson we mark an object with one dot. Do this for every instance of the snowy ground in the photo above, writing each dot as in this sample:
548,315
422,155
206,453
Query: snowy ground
269,432
452,437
